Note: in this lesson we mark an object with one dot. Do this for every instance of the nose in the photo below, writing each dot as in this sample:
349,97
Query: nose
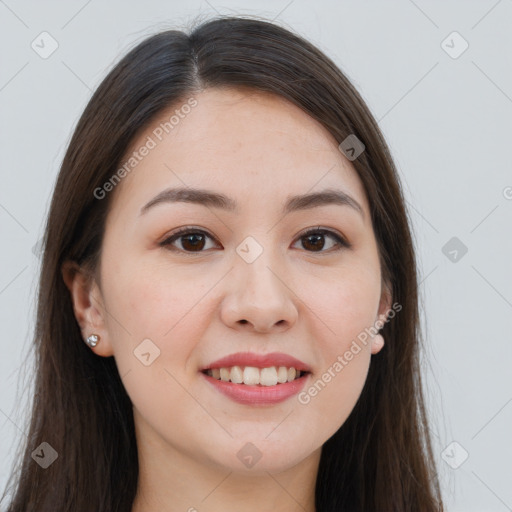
259,298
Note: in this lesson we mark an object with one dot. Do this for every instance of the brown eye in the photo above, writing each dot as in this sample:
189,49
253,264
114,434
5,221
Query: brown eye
189,239
314,240
193,242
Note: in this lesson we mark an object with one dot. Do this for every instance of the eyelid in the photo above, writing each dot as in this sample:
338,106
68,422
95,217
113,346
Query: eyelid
325,231
183,231
168,239
339,238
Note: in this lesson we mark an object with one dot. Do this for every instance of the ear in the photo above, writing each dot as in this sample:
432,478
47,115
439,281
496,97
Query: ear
385,302
88,307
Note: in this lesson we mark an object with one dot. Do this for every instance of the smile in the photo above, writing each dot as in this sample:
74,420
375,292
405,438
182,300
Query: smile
252,376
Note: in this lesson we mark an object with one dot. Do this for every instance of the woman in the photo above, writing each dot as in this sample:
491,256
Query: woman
228,237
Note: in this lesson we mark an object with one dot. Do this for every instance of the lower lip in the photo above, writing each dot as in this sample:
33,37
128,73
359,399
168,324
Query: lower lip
258,395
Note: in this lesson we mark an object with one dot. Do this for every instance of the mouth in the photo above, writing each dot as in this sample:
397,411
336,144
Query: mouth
253,376
255,379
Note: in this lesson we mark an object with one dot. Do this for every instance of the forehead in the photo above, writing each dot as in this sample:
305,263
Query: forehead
236,140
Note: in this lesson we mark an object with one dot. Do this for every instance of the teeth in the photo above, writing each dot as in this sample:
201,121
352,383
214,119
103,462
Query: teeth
236,375
268,376
282,375
253,376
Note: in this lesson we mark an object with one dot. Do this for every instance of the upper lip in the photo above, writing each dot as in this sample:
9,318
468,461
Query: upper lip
259,361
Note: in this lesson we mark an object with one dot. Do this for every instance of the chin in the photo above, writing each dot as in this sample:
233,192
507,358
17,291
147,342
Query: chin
257,456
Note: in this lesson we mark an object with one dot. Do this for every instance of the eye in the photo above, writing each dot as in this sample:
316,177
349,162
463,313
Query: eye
190,239
314,240
193,240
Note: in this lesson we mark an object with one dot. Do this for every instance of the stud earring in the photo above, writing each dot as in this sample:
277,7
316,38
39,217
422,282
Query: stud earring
92,340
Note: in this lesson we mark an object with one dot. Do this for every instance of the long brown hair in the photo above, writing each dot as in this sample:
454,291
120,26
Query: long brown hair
381,457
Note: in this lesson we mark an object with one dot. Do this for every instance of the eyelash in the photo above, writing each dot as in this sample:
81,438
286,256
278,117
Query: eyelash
190,230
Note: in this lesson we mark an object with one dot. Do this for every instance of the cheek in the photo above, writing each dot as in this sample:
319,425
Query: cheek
152,299
147,302
334,392
344,305
347,309
164,305
344,310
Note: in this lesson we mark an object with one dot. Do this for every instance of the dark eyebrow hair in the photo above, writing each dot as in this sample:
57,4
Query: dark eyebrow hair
218,200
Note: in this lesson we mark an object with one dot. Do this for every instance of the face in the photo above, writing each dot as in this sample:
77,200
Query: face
273,284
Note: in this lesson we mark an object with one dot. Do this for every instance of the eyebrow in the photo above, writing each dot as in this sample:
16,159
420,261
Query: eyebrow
217,200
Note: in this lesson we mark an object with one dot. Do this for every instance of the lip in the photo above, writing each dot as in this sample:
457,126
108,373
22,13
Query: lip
258,395
259,361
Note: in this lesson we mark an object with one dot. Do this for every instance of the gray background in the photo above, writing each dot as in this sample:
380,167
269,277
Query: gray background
447,120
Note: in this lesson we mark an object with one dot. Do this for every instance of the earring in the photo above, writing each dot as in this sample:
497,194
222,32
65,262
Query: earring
92,340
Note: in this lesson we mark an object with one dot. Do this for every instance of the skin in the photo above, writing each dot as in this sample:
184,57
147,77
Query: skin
258,149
